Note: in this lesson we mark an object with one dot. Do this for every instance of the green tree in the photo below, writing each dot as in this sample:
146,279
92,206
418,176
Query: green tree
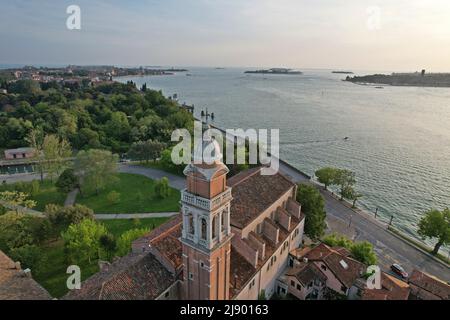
162,189
334,240
17,230
34,187
82,241
326,176
15,199
146,150
62,217
108,246
96,168
353,195
35,139
67,181
313,206
436,224
363,252
25,87
125,240
29,256
113,197
345,179
56,151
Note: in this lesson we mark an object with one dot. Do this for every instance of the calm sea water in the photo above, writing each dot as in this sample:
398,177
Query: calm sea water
399,137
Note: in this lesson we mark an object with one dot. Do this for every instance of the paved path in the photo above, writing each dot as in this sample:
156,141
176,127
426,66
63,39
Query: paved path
71,197
20,177
175,181
22,209
134,215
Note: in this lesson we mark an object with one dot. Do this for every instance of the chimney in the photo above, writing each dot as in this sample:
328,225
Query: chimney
25,273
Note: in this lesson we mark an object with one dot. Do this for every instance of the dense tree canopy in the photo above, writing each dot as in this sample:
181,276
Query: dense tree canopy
313,206
109,116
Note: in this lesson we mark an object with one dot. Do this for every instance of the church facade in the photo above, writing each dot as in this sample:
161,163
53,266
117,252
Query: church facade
231,240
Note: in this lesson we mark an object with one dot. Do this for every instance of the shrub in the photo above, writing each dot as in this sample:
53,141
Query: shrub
82,241
30,256
67,181
162,189
125,240
113,197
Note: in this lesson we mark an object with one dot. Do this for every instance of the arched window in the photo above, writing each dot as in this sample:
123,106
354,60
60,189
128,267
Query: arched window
214,227
222,219
191,223
204,228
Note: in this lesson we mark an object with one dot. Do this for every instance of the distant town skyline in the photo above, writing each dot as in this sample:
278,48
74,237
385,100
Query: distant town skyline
399,35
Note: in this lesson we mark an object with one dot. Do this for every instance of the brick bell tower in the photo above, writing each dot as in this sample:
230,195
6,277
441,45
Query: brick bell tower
206,233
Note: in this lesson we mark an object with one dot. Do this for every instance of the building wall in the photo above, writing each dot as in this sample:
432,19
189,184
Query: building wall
251,290
332,281
172,293
267,279
267,213
206,275
10,156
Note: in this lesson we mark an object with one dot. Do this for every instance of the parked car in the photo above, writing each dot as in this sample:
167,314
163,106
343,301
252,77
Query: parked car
398,269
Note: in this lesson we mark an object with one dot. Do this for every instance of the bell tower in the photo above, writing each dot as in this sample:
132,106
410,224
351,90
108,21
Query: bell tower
206,234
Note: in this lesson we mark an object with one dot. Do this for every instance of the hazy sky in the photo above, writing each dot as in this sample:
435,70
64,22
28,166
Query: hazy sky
348,34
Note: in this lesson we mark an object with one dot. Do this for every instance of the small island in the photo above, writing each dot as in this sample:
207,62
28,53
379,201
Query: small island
342,72
416,79
276,71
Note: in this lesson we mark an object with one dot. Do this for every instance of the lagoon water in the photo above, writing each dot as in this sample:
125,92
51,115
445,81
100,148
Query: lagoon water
399,137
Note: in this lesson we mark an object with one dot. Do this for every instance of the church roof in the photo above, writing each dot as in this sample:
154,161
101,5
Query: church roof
253,193
133,277
15,284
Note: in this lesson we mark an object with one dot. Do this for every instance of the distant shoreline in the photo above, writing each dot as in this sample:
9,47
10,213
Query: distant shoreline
431,80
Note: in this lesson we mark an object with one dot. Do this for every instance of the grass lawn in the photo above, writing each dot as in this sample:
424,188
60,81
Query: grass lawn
117,227
54,277
137,195
48,194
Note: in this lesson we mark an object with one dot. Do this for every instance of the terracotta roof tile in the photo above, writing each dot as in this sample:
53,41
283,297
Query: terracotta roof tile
306,272
391,289
332,258
424,286
253,193
241,272
133,277
15,285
